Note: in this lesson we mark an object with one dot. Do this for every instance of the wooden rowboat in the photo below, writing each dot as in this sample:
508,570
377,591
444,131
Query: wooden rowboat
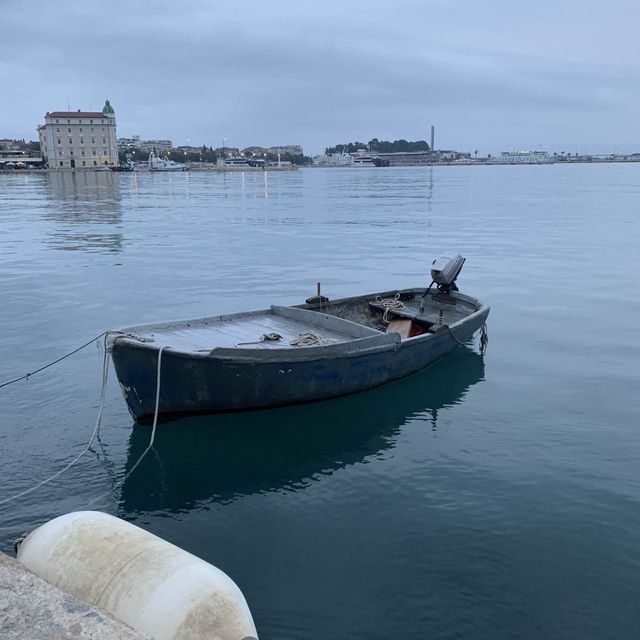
288,355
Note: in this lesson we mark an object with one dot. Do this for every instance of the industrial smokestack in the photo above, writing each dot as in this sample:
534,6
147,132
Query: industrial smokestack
433,135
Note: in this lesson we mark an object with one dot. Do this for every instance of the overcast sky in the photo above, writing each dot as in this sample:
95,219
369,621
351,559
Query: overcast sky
490,75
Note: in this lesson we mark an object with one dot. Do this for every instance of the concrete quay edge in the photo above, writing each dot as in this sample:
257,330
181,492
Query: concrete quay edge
32,608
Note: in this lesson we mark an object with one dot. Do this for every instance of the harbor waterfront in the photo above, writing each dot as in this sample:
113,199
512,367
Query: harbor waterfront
487,496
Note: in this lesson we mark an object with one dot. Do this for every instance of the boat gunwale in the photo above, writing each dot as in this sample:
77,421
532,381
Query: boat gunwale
347,349
353,343
318,306
480,307
367,345
274,309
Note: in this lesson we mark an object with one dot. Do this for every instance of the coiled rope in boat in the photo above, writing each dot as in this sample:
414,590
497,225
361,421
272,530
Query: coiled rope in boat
310,339
389,304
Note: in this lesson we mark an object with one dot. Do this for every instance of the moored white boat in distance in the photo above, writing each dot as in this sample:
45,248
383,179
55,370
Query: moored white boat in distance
362,158
243,163
290,355
235,163
155,163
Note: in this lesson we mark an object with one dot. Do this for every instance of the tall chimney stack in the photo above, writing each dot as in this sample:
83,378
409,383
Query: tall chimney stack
433,135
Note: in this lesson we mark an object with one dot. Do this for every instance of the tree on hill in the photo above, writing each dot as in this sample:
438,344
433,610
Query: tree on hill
349,147
380,146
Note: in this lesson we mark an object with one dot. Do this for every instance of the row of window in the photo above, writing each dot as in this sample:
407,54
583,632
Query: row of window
61,152
84,164
69,129
93,141
79,121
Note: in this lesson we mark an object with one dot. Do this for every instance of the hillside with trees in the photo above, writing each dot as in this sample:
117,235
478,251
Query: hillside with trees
379,146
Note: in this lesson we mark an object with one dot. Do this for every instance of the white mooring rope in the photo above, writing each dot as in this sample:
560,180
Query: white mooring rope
153,431
96,428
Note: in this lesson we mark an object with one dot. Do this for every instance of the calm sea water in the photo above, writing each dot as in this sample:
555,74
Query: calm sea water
485,497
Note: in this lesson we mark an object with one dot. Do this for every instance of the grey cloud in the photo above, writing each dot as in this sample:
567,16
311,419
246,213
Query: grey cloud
485,72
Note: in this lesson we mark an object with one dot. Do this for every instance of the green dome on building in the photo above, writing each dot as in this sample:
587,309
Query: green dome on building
108,108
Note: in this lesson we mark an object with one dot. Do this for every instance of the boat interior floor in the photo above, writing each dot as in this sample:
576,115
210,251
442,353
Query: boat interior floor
331,322
247,330
370,312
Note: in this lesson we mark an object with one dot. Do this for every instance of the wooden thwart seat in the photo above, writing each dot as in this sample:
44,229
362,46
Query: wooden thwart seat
409,328
401,326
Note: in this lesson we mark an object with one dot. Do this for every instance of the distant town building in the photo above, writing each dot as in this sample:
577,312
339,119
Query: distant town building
407,158
76,139
19,159
291,149
19,154
525,157
9,144
362,157
188,149
129,144
451,156
159,146
255,151
333,160
227,152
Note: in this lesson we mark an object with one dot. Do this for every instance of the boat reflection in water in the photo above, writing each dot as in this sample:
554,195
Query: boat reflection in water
223,457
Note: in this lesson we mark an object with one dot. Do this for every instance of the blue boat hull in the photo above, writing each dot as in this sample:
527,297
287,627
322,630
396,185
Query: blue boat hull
225,380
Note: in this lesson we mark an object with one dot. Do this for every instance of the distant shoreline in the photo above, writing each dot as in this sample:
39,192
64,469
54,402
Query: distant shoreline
471,163
462,163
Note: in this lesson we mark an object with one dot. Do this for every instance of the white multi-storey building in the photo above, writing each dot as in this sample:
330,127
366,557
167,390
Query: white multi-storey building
77,139
159,146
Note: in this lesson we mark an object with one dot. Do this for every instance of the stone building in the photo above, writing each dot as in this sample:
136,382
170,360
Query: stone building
79,139
158,146
255,151
290,149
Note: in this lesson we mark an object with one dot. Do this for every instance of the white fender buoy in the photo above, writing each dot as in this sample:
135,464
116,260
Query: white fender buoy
139,578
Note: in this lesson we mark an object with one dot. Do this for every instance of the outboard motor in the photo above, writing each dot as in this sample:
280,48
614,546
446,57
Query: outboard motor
444,272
